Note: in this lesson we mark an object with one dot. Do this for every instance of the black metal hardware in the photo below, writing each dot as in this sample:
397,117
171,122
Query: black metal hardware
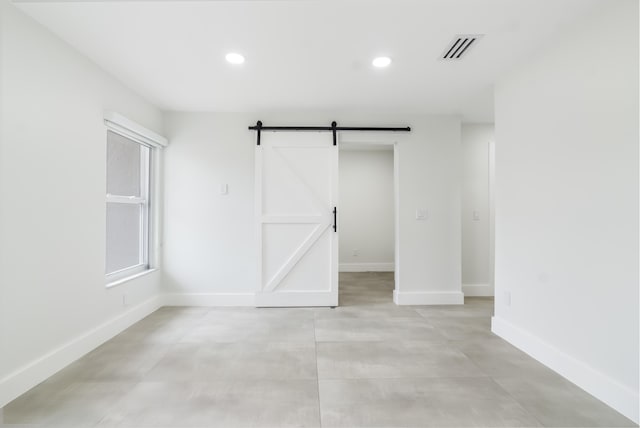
333,128
258,128
335,137
328,128
335,219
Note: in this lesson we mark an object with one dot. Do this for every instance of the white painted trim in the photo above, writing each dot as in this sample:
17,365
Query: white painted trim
396,216
209,299
428,297
620,397
147,271
257,207
381,139
38,370
478,290
128,128
492,213
296,298
367,267
299,254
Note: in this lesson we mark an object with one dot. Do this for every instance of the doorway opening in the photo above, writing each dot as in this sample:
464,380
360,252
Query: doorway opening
367,247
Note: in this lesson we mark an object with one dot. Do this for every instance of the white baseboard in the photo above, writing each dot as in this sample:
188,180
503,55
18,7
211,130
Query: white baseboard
477,290
620,397
292,299
208,299
35,372
428,297
366,267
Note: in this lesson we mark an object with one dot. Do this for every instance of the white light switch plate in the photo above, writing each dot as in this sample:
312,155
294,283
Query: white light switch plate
422,214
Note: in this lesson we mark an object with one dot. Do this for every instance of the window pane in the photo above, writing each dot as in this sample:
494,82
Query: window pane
123,166
123,236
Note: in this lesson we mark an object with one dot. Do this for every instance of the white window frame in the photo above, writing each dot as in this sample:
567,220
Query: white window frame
153,142
142,201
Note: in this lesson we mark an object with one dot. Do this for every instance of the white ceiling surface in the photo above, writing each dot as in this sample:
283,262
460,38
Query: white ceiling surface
309,54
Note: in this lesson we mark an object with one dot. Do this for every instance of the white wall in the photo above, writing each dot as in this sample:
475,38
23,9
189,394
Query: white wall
209,238
567,206
209,250
52,215
366,209
477,263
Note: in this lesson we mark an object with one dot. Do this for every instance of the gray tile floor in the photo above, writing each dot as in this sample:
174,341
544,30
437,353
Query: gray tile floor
367,363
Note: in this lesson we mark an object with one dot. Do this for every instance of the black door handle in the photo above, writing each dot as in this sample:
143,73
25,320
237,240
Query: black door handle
335,219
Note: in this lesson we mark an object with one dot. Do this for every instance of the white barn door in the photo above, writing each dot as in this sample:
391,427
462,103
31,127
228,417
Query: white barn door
296,192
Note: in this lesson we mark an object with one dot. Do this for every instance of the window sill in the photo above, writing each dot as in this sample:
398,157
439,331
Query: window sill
130,278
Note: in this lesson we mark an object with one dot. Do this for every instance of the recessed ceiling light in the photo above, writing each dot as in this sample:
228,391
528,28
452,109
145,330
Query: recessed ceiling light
234,58
381,61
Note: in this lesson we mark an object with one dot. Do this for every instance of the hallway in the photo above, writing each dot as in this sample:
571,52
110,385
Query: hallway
366,363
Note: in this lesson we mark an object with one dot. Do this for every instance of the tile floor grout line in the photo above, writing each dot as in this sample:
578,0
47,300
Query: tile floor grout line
315,346
517,401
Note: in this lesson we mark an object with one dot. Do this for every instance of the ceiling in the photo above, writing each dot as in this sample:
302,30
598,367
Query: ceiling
310,54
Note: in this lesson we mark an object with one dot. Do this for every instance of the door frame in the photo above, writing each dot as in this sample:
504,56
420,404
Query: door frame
366,140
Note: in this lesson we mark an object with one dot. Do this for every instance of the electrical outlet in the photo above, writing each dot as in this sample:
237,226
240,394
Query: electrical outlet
355,252
507,298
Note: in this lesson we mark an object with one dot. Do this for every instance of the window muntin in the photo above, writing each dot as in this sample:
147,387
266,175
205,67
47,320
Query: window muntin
128,208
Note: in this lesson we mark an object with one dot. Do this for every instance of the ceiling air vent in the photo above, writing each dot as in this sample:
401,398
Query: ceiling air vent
459,46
